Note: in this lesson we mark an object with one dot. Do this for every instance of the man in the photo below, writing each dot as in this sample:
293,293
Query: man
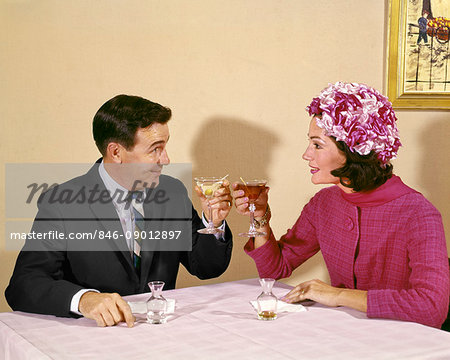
423,22
124,225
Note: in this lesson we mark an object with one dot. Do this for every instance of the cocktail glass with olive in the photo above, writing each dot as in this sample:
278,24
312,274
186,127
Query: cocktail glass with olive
209,185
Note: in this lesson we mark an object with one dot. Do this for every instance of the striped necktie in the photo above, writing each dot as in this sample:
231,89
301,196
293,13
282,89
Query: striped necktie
137,197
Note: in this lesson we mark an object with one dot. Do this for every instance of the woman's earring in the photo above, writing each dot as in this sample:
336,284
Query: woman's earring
345,181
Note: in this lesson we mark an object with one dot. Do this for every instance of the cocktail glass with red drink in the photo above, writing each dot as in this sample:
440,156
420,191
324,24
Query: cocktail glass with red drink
252,189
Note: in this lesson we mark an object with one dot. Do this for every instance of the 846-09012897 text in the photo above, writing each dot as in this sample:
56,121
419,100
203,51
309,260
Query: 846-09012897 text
97,234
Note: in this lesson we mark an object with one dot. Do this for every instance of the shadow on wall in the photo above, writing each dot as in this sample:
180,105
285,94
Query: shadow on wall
237,147
435,170
233,146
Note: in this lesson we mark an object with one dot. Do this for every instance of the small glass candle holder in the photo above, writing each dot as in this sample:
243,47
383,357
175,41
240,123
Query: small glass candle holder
156,305
267,302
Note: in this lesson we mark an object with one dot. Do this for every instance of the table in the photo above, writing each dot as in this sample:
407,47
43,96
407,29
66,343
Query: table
217,322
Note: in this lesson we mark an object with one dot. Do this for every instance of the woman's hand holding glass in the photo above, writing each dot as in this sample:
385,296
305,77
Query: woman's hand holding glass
251,199
242,202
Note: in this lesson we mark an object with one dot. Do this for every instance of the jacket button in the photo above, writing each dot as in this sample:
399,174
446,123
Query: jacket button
349,224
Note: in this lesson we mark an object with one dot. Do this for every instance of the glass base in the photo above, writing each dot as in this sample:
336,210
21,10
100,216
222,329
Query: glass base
210,231
156,317
252,234
157,321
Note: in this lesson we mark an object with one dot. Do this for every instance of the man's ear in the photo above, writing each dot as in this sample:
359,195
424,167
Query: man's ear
114,153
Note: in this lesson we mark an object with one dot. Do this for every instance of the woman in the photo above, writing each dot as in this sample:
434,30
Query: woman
383,242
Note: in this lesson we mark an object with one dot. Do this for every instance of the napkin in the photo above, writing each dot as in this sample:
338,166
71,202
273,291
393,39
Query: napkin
283,306
140,307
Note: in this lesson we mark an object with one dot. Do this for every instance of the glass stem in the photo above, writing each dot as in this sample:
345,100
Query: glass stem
210,222
252,218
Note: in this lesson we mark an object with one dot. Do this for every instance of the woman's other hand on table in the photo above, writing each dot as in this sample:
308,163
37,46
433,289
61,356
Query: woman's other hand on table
328,295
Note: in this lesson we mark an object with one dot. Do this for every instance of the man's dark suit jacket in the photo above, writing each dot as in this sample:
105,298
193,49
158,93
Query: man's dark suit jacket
49,272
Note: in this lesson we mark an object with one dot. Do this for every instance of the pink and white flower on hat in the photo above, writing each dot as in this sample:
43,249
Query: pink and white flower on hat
360,116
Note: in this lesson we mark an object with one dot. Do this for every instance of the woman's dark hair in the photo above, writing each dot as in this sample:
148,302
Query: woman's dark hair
361,172
120,118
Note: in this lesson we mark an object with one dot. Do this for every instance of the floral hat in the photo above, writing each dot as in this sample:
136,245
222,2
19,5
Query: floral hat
360,116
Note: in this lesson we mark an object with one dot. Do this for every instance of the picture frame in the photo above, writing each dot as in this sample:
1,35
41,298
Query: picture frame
414,80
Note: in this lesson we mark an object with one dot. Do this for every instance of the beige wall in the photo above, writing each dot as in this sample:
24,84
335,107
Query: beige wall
237,75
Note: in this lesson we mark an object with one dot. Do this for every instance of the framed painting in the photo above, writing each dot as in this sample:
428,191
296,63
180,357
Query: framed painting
418,54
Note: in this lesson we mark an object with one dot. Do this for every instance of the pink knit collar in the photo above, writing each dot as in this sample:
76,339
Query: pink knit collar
390,190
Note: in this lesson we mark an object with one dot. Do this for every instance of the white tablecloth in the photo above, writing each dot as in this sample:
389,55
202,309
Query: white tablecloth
217,322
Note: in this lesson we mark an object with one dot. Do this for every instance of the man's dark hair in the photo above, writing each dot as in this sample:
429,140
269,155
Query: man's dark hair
120,118
361,172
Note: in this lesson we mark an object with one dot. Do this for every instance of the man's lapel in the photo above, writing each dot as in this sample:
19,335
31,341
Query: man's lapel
106,215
